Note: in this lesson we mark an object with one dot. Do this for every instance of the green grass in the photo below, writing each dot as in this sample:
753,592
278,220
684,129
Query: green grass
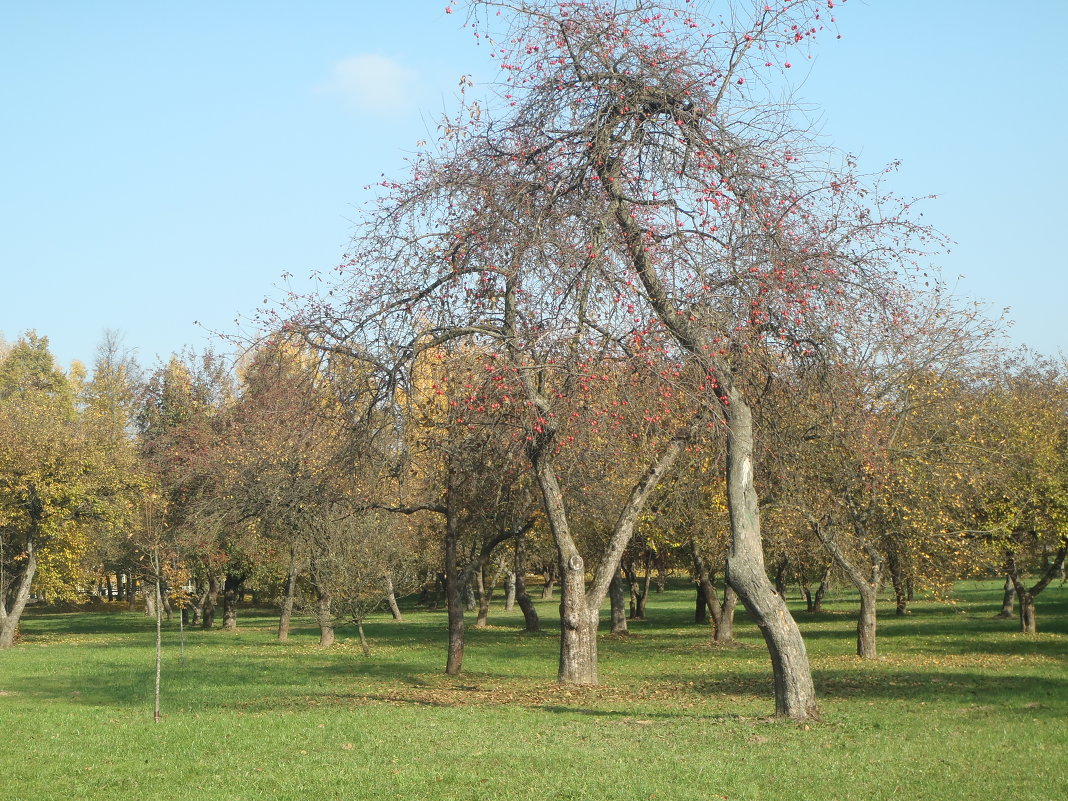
959,706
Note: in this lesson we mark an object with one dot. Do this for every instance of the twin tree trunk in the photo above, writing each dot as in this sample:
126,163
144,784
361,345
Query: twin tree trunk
10,617
1026,595
868,590
579,607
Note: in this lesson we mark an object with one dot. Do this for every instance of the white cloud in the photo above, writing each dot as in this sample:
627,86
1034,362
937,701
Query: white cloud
373,83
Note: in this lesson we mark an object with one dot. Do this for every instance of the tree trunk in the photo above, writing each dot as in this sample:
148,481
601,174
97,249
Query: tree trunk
453,599
866,624
897,578
324,615
363,639
11,611
781,570
1025,595
158,598
231,594
724,633
619,609
211,599
286,615
484,590
150,603
821,590
700,612
1027,613
509,591
530,612
391,599
578,626
868,590
795,693
550,580
1008,600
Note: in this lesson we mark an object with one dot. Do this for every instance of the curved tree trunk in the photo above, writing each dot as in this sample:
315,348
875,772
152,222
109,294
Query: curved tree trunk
391,599
1008,600
795,693
1026,595
868,590
11,615
530,612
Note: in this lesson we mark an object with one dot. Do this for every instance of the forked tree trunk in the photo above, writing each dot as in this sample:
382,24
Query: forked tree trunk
868,589
530,612
578,625
550,581
211,599
10,615
821,590
286,615
1026,595
795,693
724,632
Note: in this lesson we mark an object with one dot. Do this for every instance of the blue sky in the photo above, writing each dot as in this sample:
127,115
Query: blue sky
166,163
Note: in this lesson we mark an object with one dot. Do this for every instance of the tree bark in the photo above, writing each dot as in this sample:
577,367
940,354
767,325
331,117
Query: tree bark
619,609
868,589
484,590
509,591
1027,595
453,600
231,594
211,600
795,693
391,599
724,633
897,578
286,615
530,612
11,611
1008,600
550,580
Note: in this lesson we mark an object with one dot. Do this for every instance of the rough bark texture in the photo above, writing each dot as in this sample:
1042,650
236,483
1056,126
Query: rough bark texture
868,589
324,614
11,615
795,693
1026,595
724,632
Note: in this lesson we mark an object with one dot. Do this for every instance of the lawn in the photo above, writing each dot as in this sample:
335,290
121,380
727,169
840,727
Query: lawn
959,706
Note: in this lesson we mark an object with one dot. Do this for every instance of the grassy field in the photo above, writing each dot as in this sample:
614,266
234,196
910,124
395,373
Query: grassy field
960,706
